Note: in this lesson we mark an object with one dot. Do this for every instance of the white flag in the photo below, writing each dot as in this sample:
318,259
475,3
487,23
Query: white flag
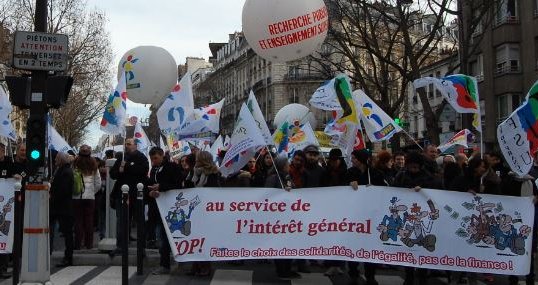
325,97
178,106
115,113
246,140
6,128
140,138
56,141
204,119
463,138
216,148
301,138
254,108
377,124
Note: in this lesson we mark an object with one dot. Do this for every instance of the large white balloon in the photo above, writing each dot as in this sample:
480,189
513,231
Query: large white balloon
151,73
285,30
295,114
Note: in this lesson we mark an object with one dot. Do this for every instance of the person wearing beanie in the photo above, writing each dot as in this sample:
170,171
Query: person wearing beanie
362,174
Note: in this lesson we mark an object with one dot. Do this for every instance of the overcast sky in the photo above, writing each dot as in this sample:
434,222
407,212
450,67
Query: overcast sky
184,28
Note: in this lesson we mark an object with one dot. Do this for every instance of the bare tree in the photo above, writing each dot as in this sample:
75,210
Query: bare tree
384,45
90,58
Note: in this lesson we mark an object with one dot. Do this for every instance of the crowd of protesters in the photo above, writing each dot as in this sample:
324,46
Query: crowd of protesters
78,199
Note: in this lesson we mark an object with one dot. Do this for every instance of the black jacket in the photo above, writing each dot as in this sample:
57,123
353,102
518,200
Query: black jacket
464,183
61,192
313,174
167,176
354,174
422,179
135,171
6,168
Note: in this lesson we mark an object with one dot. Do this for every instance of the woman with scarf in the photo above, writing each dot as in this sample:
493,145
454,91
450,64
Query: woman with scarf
204,174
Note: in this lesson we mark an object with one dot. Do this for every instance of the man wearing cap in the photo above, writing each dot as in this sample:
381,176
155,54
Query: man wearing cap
6,169
314,171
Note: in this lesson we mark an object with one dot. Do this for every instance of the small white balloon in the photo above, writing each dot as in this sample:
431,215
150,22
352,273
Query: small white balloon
285,30
151,73
295,114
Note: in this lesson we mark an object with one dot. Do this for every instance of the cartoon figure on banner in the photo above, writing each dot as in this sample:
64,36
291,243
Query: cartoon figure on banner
393,223
415,231
4,223
176,219
296,134
490,227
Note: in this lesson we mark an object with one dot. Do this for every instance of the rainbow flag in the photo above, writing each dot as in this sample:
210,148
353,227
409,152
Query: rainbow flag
460,91
518,134
463,138
281,138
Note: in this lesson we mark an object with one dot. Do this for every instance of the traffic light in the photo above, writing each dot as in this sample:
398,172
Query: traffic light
398,122
36,136
19,90
58,88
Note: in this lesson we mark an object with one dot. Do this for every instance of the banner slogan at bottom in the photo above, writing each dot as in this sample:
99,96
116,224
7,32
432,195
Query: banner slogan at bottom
429,229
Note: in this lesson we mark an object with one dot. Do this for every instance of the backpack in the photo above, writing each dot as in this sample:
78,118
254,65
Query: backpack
78,183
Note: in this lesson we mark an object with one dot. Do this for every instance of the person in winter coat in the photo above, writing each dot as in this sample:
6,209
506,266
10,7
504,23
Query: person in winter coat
415,177
384,164
362,174
61,205
86,167
281,179
164,176
204,174
264,165
130,169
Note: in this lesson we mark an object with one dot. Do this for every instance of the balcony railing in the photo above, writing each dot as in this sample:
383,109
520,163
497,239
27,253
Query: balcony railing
479,77
535,12
507,20
300,76
507,69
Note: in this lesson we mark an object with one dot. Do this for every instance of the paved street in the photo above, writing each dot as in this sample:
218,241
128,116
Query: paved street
224,274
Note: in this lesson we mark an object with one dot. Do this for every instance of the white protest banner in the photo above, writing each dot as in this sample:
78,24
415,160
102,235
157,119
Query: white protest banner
245,141
430,229
56,141
7,204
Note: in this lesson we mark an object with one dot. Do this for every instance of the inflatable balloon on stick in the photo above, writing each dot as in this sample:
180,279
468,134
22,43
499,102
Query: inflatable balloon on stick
285,30
295,115
151,73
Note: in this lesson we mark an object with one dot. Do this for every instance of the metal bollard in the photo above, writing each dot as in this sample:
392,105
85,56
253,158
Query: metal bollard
17,233
125,235
140,240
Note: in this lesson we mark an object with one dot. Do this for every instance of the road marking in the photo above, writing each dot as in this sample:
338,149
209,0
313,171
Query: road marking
111,276
70,274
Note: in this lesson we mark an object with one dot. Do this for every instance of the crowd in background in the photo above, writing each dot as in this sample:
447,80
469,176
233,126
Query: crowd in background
78,196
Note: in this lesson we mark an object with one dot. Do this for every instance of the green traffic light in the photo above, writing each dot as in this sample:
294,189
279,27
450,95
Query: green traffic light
35,154
397,121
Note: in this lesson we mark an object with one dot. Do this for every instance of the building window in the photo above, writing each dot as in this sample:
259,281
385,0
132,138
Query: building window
477,68
506,12
507,58
535,8
506,104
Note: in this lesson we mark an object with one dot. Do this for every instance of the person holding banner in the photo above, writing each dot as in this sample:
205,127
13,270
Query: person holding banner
314,171
264,164
279,178
205,174
415,177
187,164
163,177
362,174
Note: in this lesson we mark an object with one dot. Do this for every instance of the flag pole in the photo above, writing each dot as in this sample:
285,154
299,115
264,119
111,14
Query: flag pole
276,170
364,140
421,148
